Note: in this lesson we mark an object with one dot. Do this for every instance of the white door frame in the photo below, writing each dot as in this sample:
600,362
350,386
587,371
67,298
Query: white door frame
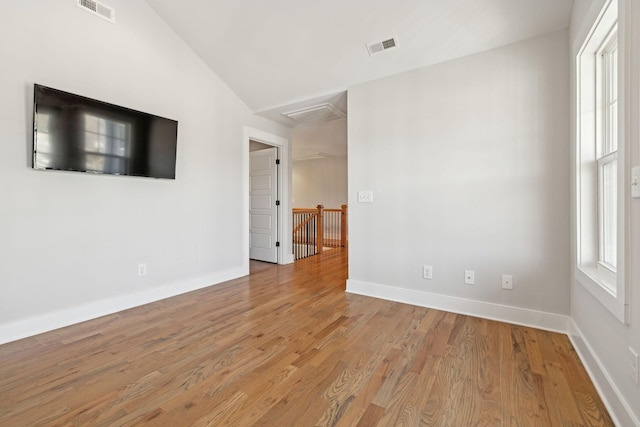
264,203
285,223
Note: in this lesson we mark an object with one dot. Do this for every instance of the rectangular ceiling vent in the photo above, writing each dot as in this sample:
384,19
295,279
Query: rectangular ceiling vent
379,47
315,114
99,9
305,155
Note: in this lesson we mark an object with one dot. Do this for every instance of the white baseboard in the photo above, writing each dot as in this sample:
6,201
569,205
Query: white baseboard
58,319
503,313
618,408
288,259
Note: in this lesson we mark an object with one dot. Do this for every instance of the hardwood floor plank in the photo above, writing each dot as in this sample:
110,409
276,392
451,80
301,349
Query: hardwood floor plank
562,394
286,346
301,401
370,388
397,408
371,416
517,384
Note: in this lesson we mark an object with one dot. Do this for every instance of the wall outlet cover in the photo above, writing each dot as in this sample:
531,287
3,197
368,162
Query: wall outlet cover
507,281
142,269
469,277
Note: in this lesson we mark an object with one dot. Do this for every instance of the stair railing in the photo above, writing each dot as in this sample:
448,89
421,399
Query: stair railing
306,223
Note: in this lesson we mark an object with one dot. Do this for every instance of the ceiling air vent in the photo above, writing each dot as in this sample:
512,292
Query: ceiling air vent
305,155
315,114
98,9
378,47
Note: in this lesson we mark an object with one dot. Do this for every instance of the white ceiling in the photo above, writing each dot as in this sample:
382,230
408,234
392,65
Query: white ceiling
275,54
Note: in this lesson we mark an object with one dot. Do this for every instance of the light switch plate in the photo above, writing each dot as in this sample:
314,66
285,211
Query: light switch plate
427,272
365,196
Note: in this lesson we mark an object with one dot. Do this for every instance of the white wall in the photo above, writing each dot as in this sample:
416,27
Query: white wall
603,341
257,146
469,164
324,137
320,182
71,241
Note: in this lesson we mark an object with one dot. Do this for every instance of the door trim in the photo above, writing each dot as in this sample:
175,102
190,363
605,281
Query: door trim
265,193
285,227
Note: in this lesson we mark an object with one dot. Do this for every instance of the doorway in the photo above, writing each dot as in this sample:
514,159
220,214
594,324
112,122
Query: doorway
283,226
264,204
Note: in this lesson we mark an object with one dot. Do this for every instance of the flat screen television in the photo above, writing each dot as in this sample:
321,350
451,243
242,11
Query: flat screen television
75,133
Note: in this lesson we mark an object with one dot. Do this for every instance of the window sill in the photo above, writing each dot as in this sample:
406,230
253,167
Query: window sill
601,278
603,288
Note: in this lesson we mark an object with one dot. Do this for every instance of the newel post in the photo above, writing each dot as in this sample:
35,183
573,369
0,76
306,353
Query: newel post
343,226
320,229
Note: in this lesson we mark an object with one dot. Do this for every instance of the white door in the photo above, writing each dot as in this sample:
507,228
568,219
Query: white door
263,209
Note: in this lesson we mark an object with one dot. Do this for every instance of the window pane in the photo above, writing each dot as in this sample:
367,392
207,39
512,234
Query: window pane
609,201
119,130
91,123
91,142
119,147
94,162
613,99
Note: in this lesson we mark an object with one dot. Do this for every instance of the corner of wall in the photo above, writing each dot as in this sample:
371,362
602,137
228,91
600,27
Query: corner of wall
619,409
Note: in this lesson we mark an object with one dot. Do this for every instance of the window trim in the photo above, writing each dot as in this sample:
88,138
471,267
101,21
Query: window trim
609,288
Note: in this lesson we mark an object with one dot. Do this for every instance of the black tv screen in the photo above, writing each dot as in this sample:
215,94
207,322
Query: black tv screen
75,133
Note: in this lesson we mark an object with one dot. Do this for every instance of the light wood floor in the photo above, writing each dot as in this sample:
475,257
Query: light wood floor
287,346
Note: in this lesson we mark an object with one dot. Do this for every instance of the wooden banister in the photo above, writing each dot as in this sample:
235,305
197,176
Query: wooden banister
315,228
320,232
305,222
343,226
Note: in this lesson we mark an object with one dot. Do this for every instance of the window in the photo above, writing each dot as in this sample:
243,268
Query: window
599,218
607,149
106,144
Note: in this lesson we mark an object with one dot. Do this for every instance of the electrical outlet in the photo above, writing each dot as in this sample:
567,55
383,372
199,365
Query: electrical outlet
142,269
507,281
469,277
633,358
427,272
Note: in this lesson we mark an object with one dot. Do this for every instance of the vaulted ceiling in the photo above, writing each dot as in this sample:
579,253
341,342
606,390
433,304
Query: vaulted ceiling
279,54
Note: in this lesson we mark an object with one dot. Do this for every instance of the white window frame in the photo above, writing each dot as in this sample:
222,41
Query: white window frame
594,150
606,144
607,268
